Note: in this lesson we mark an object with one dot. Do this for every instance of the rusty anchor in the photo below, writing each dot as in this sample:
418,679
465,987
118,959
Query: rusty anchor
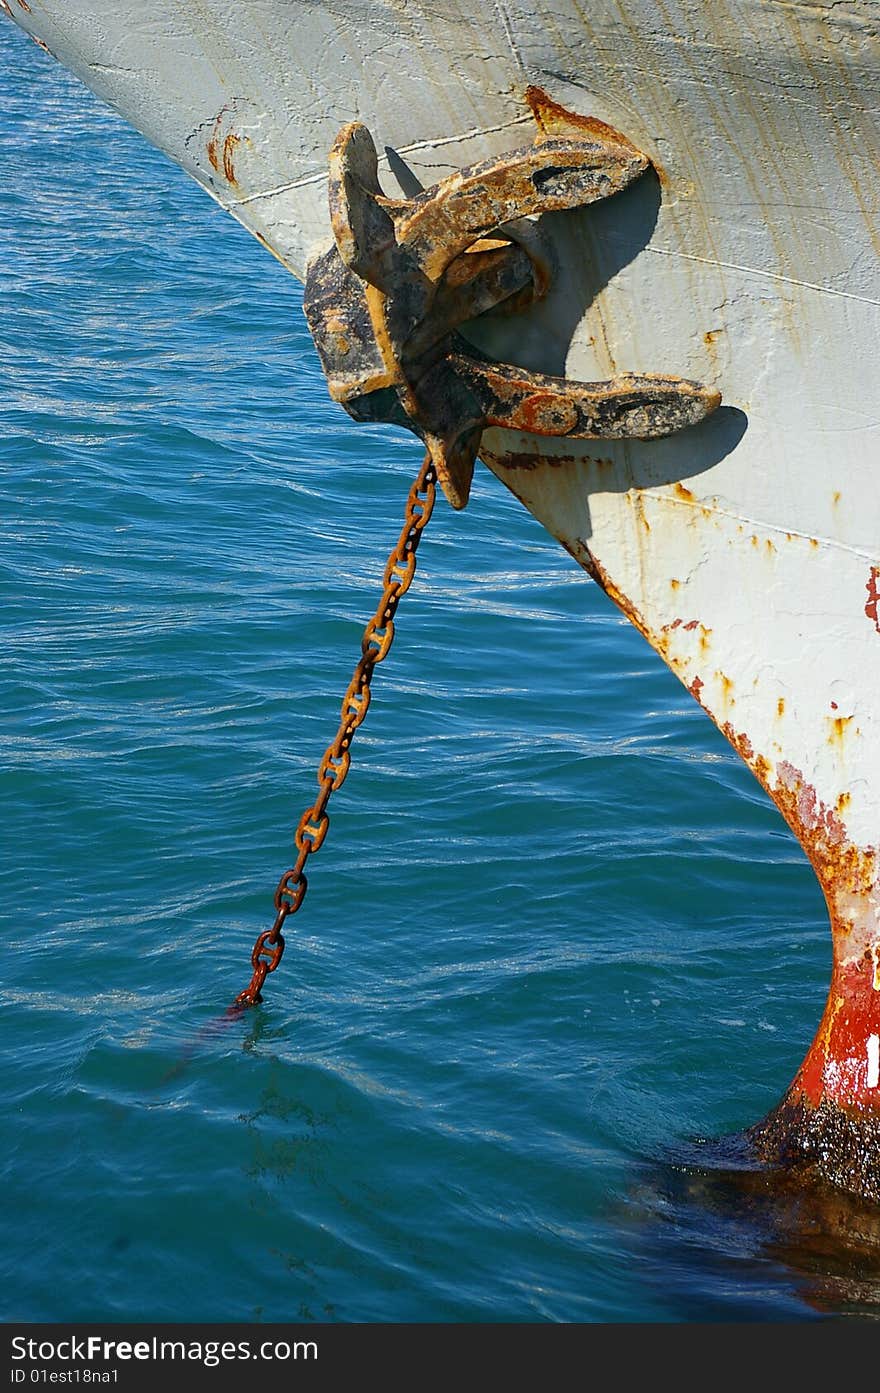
385,302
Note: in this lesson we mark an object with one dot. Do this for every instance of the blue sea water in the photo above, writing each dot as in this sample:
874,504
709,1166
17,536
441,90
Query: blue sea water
556,943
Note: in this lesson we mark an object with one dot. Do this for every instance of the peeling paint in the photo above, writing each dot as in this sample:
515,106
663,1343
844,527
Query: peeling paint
873,588
845,872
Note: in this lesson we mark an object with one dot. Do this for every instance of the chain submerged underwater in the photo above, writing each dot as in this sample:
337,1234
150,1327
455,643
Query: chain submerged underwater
312,827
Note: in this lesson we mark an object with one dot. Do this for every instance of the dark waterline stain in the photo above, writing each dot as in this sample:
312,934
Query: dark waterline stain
729,1238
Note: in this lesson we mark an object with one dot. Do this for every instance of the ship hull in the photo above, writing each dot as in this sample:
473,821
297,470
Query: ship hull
745,549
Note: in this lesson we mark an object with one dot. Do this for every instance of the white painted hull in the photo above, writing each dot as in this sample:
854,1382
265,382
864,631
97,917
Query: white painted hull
746,549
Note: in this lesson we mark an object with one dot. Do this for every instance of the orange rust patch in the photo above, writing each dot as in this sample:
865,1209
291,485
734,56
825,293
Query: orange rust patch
675,584
835,497
826,1026
623,602
683,493
780,706
269,248
221,151
704,634
229,145
545,413
814,542
640,509
553,119
873,589
836,1066
838,726
727,689
843,802
710,336
744,748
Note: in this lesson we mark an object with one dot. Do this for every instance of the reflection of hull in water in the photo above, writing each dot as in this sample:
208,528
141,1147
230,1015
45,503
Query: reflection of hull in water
746,550
725,1239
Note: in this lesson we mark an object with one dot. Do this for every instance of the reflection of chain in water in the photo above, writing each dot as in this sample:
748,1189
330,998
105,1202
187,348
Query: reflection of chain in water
214,1027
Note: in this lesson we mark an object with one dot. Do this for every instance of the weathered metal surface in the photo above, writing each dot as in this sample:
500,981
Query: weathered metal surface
384,303
746,548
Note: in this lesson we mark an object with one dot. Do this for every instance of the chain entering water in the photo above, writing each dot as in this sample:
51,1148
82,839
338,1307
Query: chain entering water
312,827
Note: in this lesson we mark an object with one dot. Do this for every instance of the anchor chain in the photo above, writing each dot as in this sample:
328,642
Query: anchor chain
334,766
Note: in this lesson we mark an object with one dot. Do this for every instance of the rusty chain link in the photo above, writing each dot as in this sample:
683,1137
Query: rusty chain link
377,639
